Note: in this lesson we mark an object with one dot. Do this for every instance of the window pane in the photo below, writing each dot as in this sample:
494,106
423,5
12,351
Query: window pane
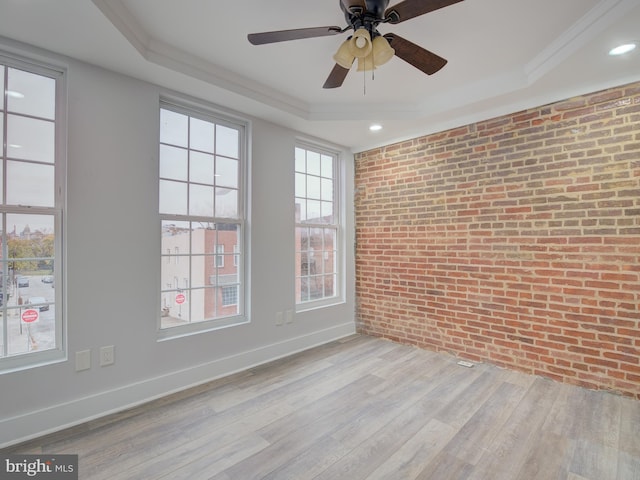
326,189
201,168
313,187
301,210
313,211
202,270
173,197
174,128
227,141
203,238
201,135
326,167
175,306
173,162
300,160
30,184
226,172
203,305
329,285
200,200
313,163
301,185
29,282
30,139
326,212
304,289
1,168
226,203
31,94
2,88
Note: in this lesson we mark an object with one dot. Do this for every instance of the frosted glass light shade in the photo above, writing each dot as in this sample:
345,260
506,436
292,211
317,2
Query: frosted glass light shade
343,56
382,51
360,43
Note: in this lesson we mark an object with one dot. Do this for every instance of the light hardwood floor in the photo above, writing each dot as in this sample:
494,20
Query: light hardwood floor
364,408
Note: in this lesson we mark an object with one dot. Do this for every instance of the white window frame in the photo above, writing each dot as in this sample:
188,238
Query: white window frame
337,225
57,72
202,110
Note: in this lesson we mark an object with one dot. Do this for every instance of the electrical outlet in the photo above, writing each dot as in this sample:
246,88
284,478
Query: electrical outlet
279,318
83,360
107,355
288,316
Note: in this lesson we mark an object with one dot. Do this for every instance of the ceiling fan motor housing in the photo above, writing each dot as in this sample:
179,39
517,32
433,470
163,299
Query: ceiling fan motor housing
377,7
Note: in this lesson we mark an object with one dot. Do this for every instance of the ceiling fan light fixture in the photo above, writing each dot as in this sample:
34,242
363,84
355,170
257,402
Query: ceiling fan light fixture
343,56
382,51
360,43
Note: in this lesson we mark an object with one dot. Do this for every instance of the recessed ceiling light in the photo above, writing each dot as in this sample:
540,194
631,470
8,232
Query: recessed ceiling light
375,127
622,49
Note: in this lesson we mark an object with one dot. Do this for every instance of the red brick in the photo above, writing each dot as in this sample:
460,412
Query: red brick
512,241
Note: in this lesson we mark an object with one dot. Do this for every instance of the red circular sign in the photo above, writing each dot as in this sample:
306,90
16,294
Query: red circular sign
31,315
180,298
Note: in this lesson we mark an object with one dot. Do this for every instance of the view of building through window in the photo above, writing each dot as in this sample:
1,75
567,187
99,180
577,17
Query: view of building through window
316,234
202,221
29,214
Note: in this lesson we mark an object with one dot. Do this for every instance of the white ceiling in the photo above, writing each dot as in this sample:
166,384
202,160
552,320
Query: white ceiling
504,56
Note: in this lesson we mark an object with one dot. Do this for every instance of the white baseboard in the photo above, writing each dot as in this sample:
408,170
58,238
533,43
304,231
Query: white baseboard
31,425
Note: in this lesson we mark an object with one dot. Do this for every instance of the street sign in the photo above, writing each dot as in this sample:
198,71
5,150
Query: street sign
30,315
180,298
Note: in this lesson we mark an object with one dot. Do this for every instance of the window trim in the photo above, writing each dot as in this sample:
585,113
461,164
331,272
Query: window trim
339,216
201,109
28,62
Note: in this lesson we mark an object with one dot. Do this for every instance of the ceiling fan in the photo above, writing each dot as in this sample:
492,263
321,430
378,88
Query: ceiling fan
367,45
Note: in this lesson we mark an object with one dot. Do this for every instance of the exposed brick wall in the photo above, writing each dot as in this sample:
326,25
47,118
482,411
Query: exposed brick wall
514,241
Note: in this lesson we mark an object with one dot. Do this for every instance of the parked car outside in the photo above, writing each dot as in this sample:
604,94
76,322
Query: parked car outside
47,279
39,302
23,281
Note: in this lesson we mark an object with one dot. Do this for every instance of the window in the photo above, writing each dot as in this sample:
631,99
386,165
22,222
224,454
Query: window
201,199
30,214
220,256
317,225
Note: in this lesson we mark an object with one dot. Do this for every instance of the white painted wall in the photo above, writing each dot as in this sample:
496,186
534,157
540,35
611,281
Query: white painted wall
112,266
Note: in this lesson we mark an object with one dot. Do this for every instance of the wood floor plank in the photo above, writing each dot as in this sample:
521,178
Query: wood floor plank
363,408
408,461
476,435
445,466
548,459
505,455
594,460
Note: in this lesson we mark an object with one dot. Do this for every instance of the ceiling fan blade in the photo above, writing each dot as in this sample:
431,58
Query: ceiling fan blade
336,77
415,55
295,34
414,8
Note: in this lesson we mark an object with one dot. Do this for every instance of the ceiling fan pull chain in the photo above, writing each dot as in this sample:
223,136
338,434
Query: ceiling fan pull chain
364,83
